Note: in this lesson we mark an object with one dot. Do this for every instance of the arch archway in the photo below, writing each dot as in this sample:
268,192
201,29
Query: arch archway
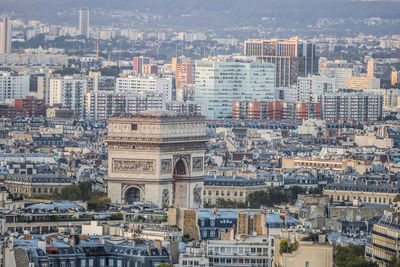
132,194
180,168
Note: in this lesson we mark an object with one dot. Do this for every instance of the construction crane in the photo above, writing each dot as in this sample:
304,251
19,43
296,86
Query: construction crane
97,50
19,59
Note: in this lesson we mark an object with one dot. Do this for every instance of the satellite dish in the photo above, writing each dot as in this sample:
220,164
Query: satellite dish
358,218
347,218
65,240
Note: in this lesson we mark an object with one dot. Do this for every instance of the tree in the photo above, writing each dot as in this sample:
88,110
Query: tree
351,256
165,264
394,262
67,71
227,203
396,198
85,189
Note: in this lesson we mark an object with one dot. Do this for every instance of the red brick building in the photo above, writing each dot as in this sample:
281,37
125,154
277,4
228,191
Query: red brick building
275,110
27,107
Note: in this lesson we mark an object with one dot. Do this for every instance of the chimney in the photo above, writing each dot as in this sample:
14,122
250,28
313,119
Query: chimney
148,248
158,245
215,211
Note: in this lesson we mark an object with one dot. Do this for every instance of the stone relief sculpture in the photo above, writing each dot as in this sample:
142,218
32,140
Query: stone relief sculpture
197,164
134,166
166,166
197,195
165,197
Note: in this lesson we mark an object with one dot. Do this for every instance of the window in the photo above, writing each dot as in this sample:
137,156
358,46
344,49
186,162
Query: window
307,264
102,262
134,127
83,262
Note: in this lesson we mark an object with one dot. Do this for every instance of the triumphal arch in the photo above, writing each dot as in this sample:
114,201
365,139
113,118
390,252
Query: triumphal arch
156,156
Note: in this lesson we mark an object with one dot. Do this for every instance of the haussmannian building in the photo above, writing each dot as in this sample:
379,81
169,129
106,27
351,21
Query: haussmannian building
385,243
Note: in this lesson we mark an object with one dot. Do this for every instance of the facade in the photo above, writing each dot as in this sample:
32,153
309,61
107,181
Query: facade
218,84
156,157
310,89
146,85
31,107
102,105
184,80
139,62
395,77
13,86
352,107
292,58
91,252
275,110
377,193
385,241
307,253
84,26
251,251
341,75
68,92
363,83
187,107
5,36
41,183
231,188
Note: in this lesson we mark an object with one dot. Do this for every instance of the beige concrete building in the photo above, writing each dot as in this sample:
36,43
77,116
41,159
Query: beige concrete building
156,156
305,253
231,188
42,183
362,192
309,163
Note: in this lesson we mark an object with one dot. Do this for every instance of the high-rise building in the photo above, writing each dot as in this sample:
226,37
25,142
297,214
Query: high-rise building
310,88
395,77
84,27
341,75
13,86
357,107
5,36
138,63
68,92
102,105
219,83
146,84
184,80
292,58
363,82
275,110
371,68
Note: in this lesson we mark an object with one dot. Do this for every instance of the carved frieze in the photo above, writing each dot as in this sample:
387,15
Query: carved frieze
133,166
